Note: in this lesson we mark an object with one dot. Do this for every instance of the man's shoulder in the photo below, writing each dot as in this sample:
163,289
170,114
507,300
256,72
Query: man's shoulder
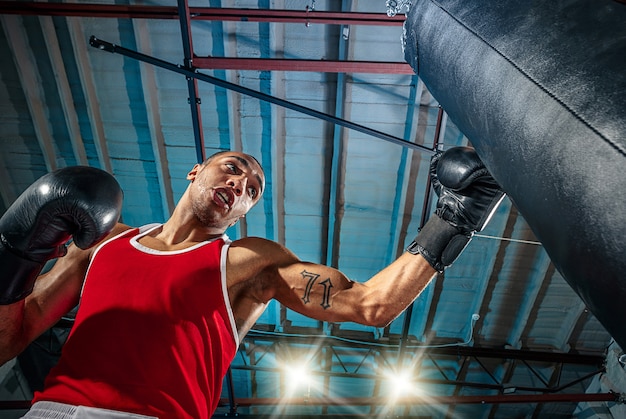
118,229
257,244
263,251
252,240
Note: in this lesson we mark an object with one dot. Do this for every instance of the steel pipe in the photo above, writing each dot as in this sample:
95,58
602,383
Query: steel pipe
190,72
192,83
318,66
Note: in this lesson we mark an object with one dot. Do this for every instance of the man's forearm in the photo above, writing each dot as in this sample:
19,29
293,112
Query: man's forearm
11,336
398,285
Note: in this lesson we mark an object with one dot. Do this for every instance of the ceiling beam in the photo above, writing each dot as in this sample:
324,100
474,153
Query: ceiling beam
490,388
87,82
6,192
63,87
461,375
305,17
149,87
334,194
278,148
318,66
435,288
576,317
532,282
26,66
234,106
384,401
335,197
456,351
405,195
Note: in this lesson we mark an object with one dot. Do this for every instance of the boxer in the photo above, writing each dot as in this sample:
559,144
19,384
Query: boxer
163,307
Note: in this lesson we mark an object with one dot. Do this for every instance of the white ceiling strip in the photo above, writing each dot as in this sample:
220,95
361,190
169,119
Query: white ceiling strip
148,83
63,87
79,46
26,65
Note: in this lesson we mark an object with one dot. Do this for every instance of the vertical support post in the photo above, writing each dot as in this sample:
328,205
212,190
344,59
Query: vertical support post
192,82
425,215
231,392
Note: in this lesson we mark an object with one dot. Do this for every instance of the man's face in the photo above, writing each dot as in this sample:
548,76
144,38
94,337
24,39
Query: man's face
225,189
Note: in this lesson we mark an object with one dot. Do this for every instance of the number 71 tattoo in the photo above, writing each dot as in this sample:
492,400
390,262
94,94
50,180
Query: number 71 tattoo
311,278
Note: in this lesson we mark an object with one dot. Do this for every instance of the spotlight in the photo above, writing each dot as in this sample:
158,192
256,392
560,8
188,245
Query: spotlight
401,384
297,375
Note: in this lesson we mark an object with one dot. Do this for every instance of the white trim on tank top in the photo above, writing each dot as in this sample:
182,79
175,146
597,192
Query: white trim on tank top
146,229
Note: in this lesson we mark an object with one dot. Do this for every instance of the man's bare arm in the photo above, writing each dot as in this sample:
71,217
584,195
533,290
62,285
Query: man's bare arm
55,293
467,197
325,293
82,203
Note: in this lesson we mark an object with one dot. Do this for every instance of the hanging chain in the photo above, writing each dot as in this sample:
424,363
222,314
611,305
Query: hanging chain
395,6
309,9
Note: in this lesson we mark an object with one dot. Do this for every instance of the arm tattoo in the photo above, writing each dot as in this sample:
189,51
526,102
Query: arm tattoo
326,299
311,277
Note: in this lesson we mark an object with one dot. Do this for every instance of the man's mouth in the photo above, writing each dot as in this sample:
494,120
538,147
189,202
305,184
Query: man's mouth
224,197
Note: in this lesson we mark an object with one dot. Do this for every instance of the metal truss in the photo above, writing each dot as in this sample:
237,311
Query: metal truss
440,366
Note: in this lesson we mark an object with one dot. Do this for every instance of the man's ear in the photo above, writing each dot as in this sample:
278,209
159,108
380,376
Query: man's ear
194,171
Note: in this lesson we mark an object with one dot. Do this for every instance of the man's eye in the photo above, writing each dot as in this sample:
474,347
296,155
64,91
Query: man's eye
232,167
252,192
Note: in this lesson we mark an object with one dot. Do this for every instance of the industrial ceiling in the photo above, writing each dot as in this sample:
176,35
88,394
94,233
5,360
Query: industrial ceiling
320,93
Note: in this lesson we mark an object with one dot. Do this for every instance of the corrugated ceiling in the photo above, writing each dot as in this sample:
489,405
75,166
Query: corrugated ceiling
336,194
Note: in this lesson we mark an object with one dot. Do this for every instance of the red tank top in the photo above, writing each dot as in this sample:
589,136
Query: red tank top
154,333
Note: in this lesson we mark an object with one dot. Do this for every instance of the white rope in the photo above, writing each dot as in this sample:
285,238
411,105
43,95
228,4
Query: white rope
508,239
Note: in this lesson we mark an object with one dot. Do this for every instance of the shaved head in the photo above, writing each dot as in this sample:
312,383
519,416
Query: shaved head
219,153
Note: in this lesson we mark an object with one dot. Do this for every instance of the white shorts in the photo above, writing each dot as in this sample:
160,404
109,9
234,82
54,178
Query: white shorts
48,410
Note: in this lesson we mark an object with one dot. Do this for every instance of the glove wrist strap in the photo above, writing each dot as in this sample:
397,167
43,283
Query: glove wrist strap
439,242
17,275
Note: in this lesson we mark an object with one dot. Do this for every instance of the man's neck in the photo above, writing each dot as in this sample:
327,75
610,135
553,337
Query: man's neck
184,227
167,238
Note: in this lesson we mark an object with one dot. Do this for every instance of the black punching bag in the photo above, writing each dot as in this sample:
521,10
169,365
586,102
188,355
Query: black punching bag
539,87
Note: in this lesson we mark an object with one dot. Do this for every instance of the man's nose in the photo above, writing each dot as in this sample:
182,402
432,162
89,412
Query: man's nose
238,185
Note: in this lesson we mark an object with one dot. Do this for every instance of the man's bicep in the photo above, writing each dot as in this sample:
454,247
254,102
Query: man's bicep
318,291
314,290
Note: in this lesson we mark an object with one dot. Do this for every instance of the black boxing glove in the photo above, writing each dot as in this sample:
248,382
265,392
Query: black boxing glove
468,197
80,202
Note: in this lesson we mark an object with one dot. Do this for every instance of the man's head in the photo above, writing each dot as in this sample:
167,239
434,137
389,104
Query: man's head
221,153
225,187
